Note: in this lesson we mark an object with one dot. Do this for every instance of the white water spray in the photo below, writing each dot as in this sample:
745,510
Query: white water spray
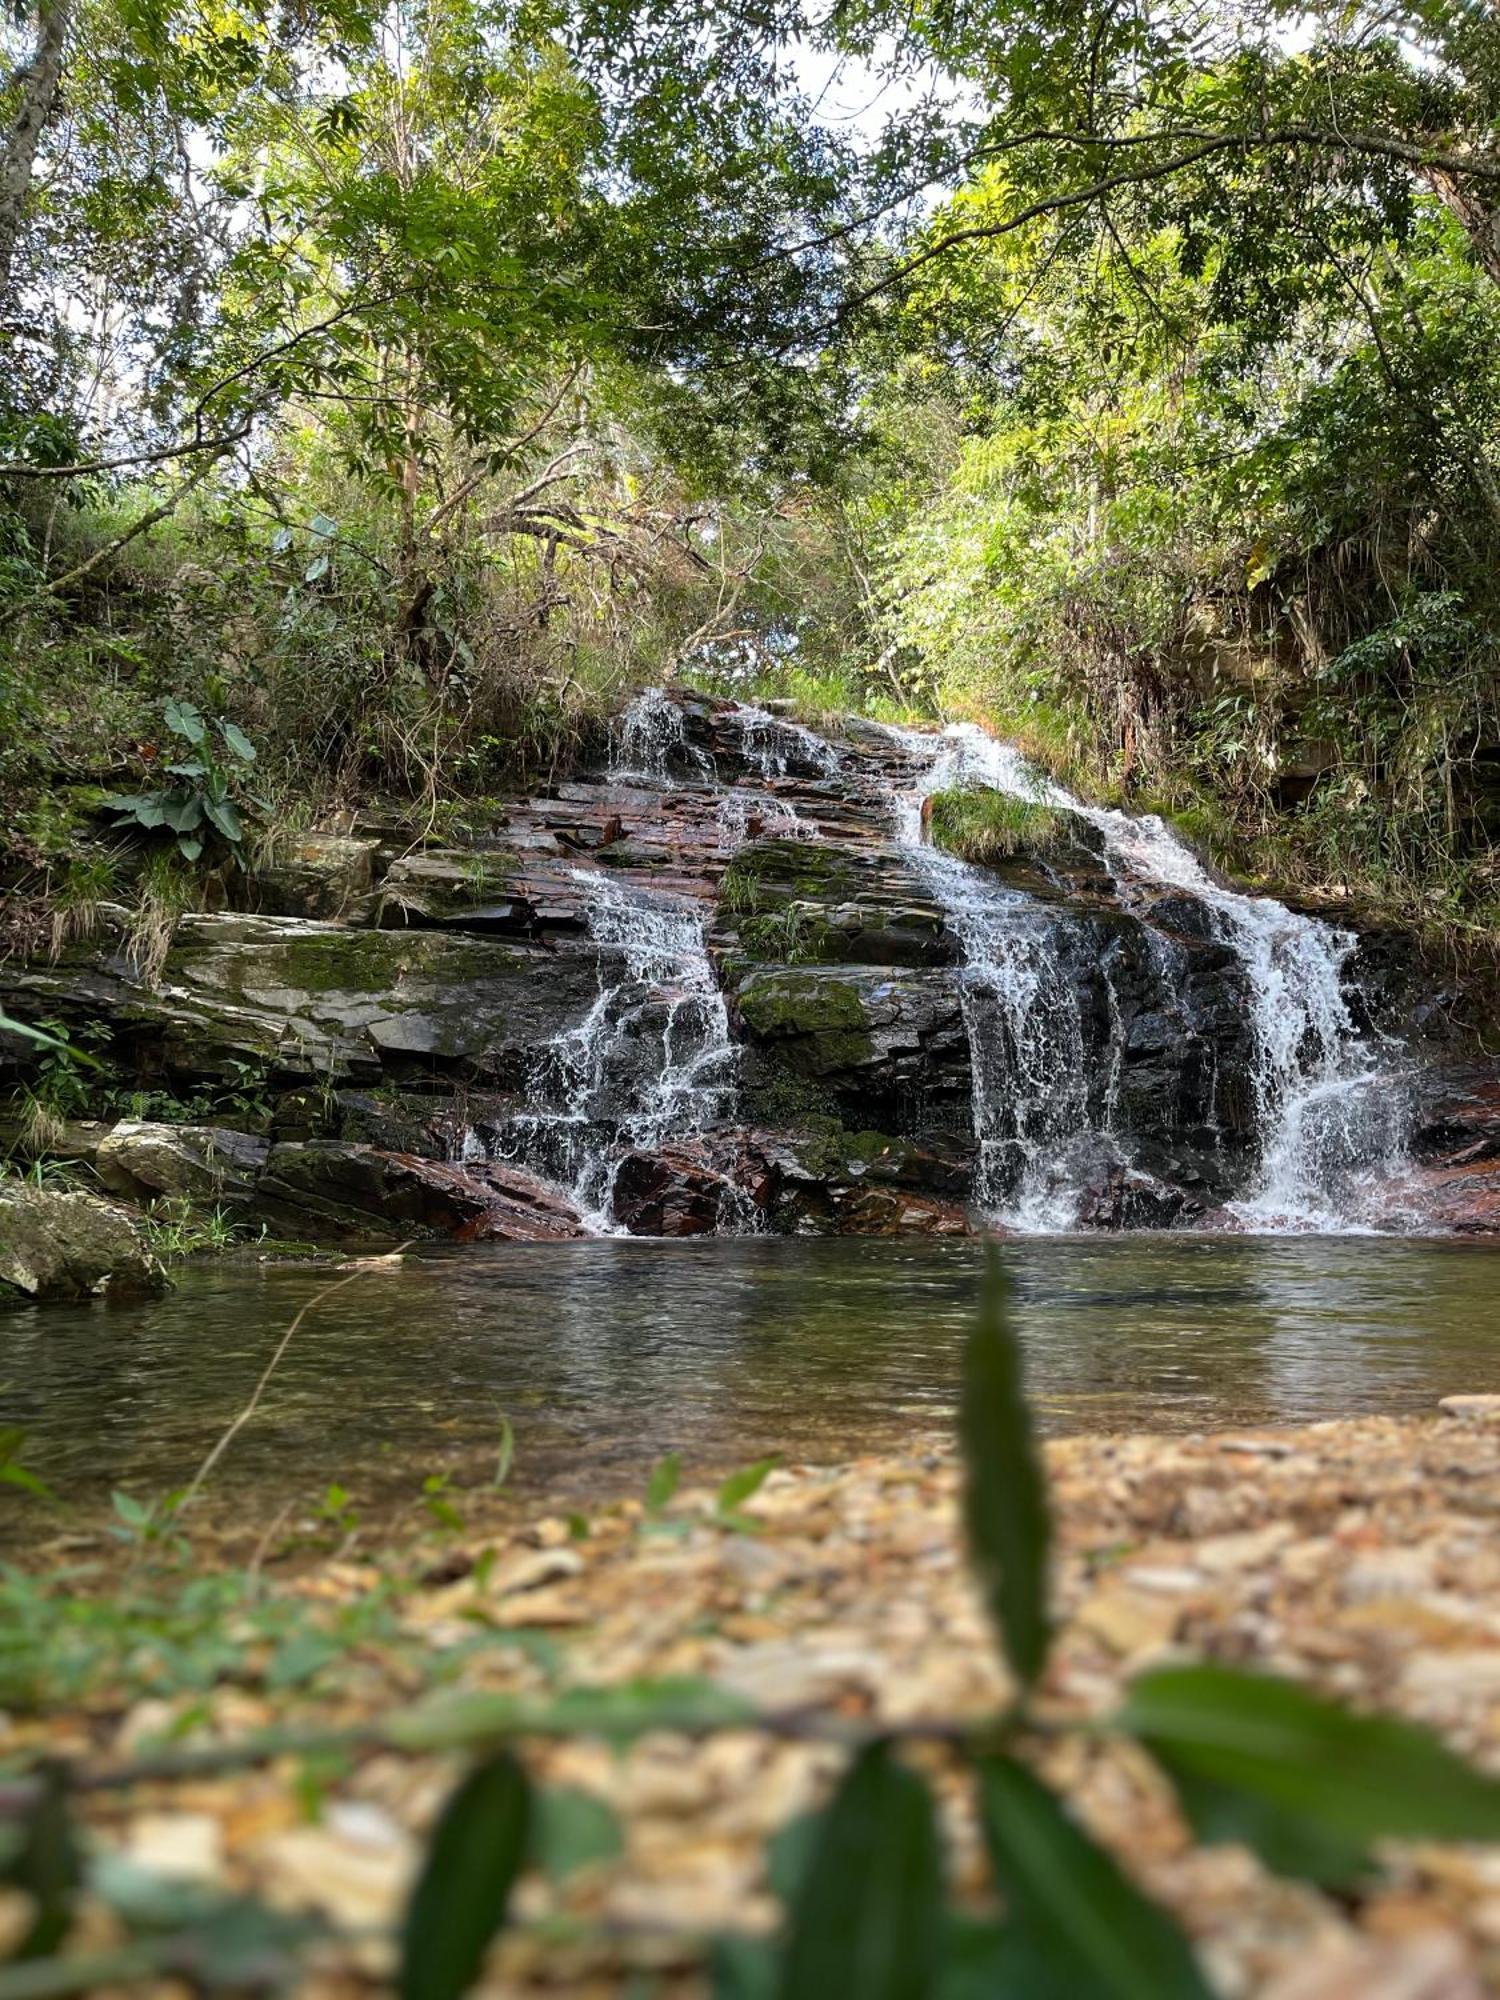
651,1061
651,735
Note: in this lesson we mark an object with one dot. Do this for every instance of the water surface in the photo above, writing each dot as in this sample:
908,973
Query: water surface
605,1354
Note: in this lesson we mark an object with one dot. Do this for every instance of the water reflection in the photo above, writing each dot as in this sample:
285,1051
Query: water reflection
606,1353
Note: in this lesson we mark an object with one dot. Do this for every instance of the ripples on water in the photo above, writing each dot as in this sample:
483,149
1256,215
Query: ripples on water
605,1354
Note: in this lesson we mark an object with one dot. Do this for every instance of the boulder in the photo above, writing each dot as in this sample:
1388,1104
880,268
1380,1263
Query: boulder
210,1162
315,874
1452,1180
334,1190
449,888
793,901
692,1189
855,1040
68,1246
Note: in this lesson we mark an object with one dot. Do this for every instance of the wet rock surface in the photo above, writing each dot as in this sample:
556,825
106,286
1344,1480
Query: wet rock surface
67,1246
724,931
142,1160
333,1189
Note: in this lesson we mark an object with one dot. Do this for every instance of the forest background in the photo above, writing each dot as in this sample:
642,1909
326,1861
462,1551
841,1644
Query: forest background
391,389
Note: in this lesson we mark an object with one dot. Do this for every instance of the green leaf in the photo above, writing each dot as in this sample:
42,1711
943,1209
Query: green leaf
868,1919
506,1456
184,720
131,1512
43,1039
666,1477
226,819
28,1482
739,1486
789,1854
46,1864
990,1961
182,812
1301,1779
237,741
743,1968
459,1902
189,849
1286,1842
1005,1494
571,1829
1072,1901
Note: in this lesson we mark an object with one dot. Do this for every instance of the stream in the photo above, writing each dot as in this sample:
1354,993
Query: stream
605,1354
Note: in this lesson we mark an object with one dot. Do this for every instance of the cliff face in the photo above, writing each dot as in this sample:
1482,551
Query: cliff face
722,985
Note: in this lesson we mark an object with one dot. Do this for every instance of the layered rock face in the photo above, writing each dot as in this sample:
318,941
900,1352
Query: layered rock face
723,984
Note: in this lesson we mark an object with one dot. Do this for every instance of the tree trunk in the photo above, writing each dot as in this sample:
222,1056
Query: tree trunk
1480,218
37,82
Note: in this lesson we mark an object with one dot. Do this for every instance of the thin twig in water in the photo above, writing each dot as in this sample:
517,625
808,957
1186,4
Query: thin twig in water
250,1408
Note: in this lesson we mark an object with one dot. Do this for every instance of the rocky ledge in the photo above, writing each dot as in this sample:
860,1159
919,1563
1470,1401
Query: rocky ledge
725,978
1358,1557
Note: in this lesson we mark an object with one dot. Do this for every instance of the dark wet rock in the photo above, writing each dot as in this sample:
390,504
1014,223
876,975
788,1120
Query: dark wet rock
691,1189
74,1139
1452,1179
328,1189
319,1001
833,1181
207,1162
860,1039
457,889
430,1122
800,902
315,875
71,1246
1126,1197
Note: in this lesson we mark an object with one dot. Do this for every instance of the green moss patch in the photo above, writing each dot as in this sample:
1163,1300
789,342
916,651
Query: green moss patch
978,824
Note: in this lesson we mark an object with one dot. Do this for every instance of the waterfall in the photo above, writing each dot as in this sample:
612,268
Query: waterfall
773,744
1329,1104
651,736
1145,1045
1032,1126
652,1060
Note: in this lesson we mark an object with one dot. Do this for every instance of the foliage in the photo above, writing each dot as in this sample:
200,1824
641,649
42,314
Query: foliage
207,798
1310,1786
980,824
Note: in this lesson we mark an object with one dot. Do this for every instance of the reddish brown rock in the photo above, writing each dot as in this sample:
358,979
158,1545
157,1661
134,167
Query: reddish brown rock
331,1189
692,1189
1453,1182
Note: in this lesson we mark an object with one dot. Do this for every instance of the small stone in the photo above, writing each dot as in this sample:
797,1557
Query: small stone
1130,1622
186,1846
1221,1555
1479,1409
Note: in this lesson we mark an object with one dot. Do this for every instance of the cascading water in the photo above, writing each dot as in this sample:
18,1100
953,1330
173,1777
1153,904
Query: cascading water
1329,1107
773,744
651,1060
1141,1046
743,812
1030,1079
652,733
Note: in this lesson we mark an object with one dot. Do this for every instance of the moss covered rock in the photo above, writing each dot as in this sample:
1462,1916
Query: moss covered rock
56,1245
